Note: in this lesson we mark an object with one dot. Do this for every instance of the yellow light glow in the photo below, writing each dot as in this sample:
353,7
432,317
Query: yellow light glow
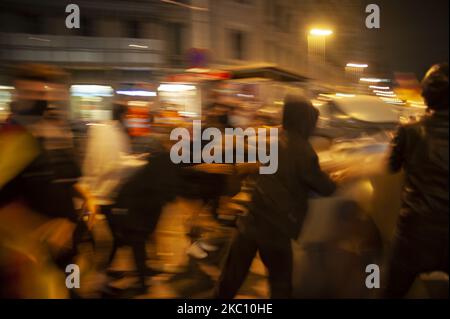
168,87
344,95
379,87
138,103
373,80
317,103
321,32
384,92
357,65
386,95
198,70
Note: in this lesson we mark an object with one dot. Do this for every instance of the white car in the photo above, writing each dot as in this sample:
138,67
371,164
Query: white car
352,116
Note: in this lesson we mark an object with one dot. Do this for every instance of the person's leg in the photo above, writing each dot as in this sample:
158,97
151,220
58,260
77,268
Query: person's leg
242,251
140,258
277,257
112,254
403,268
113,227
214,206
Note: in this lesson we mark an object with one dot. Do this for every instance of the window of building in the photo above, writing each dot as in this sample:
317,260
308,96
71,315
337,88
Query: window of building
133,29
35,24
287,23
268,9
86,27
282,18
278,16
237,45
176,32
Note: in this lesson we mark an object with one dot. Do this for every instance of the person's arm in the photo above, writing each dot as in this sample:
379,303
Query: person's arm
89,199
92,170
396,157
312,174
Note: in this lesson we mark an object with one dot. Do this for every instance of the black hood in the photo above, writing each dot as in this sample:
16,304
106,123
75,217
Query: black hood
299,116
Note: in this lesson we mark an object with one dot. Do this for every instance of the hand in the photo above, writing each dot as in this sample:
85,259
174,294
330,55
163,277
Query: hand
340,176
93,209
89,203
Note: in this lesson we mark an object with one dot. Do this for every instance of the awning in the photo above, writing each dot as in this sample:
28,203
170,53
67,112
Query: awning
268,72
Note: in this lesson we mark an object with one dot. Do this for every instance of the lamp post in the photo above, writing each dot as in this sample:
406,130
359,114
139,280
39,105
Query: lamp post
354,71
317,50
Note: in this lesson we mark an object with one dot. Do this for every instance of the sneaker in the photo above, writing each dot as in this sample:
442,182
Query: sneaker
207,247
196,251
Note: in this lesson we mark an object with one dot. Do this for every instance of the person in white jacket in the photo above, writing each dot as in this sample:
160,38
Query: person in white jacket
107,165
106,153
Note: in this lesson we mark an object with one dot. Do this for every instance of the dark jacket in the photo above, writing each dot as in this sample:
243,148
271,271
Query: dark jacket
281,200
142,197
421,149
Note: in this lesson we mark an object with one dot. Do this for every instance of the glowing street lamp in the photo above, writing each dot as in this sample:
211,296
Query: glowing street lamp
320,32
317,42
376,87
354,71
357,65
373,80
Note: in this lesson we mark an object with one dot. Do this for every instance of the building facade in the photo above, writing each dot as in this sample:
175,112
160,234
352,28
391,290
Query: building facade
140,40
152,34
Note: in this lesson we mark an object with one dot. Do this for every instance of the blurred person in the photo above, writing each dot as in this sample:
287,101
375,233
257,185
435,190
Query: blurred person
225,179
278,207
108,144
105,168
421,150
139,204
38,170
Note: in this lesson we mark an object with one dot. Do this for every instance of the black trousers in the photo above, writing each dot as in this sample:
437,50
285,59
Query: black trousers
276,254
124,236
415,251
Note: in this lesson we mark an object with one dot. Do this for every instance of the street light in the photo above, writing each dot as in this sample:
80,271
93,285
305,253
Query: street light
373,80
317,51
357,65
320,32
354,71
375,87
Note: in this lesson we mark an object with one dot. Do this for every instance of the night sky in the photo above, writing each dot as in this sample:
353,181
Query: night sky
413,34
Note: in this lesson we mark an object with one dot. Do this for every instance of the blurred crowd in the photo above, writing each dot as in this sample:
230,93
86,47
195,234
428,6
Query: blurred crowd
57,189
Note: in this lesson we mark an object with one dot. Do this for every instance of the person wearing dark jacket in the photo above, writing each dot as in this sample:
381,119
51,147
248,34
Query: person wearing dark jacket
421,150
278,208
139,205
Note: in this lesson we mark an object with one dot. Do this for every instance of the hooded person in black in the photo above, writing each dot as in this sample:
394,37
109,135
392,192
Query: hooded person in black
421,150
279,206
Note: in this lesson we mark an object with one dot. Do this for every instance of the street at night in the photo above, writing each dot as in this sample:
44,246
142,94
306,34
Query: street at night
211,150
